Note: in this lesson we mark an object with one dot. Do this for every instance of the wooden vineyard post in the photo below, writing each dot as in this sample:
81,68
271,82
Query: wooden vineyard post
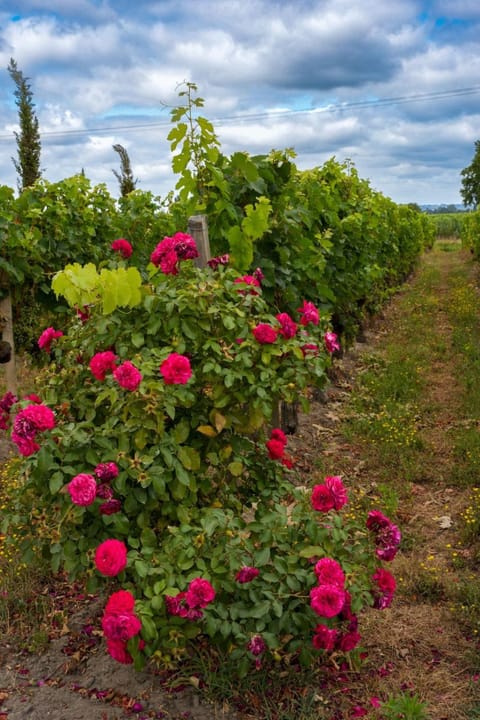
6,326
198,229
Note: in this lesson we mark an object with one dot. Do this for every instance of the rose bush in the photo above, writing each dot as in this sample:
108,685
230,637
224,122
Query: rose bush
153,462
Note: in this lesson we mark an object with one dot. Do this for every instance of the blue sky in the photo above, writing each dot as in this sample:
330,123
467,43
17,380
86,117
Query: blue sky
394,87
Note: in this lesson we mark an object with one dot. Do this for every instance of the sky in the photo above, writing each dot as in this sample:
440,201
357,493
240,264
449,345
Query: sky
393,87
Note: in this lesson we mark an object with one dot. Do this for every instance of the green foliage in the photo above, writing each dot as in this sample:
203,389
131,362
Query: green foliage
406,706
82,286
28,139
199,495
448,225
470,189
327,236
471,233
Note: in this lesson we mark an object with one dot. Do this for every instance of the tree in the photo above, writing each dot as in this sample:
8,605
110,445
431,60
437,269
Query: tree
28,139
125,176
470,190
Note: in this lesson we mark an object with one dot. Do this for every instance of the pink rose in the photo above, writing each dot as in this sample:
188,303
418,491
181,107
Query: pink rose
199,593
309,313
276,449
118,650
176,369
348,641
384,589
331,495
327,600
101,363
110,507
278,434
246,574
47,337
256,645
82,489
121,625
106,471
127,376
329,572
264,333
123,247
324,638
26,446
321,498
40,416
111,557
331,342
249,280
120,601
288,327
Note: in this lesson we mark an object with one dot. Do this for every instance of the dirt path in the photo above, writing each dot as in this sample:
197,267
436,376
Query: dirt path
416,645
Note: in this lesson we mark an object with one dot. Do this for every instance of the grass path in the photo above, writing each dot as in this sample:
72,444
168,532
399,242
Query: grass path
406,439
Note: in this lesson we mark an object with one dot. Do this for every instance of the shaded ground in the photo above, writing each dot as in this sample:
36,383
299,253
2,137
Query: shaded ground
413,645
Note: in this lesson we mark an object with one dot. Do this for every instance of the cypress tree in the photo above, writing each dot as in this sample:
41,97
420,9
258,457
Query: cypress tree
28,139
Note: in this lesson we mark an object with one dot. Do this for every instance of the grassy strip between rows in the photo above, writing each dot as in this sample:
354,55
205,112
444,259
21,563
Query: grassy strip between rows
413,416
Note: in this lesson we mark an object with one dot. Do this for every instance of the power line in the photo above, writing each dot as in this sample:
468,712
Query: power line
277,115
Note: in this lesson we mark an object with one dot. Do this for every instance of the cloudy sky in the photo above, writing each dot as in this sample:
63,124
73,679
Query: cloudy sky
393,86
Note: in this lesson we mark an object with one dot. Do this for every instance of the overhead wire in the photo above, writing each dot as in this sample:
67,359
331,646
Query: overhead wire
273,114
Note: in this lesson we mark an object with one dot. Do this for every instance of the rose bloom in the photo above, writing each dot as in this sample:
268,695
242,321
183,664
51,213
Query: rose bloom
47,337
106,471
324,638
321,498
185,246
327,600
329,572
177,606
7,401
309,313
40,416
278,434
176,369
276,449
120,601
287,461
264,333
127,376
110,507
384,589
104,491
387,541
118,650
250,280
82,489
199,593
309,349
26,446
376,520
256,645
123,247
246,574
348,641
101,363
288,327
111,557
121,625
331,342
338,491
171,250
219,260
